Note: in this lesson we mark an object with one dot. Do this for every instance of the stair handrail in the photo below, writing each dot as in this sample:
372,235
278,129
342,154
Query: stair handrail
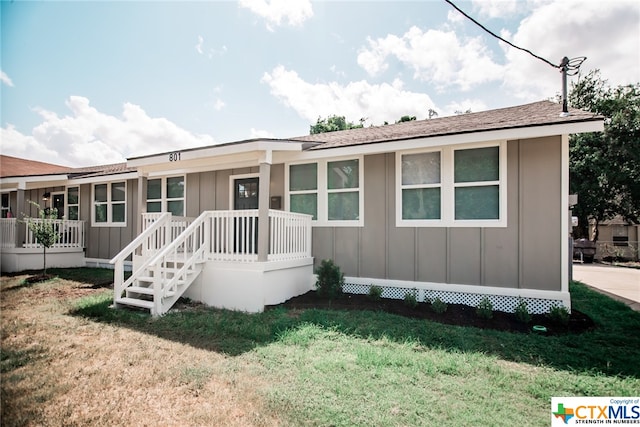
119,284
155,263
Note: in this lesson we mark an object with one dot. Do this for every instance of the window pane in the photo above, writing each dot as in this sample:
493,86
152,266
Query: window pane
344,206
175,187
478,164
117,192
421,203
100,193
176,207
303,177
343,174
5,200
154,189
101,213
305,203
423,168
72,195
154,206
73,213
117,212
478,202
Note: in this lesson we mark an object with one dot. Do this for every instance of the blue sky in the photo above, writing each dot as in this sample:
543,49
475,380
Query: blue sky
87,83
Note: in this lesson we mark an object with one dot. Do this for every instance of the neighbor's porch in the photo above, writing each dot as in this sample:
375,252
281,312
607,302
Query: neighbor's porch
21,251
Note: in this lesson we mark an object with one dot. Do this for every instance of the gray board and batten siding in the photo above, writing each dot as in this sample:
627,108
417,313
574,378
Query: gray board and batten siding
525,254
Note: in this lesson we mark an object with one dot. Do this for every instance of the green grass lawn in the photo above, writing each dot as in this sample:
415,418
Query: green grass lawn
329,367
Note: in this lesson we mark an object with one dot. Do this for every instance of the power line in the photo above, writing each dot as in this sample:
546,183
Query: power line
500,38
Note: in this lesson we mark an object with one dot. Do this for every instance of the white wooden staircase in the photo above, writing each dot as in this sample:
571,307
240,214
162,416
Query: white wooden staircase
171,252
165,265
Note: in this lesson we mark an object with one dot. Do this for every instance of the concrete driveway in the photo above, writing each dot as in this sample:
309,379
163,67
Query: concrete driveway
622,284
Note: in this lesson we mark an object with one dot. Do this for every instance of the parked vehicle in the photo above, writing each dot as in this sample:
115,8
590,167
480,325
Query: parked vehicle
584,250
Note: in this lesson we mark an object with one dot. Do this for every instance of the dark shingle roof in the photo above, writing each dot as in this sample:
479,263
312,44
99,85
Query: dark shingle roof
536,114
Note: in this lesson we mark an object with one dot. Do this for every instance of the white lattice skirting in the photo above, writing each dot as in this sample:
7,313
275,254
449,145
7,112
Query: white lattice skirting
503,299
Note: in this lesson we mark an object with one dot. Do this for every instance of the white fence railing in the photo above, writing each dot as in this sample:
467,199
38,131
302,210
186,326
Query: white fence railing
70,234
8,228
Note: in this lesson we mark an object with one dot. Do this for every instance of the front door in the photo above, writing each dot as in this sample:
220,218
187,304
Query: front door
57,202
245,193
245,196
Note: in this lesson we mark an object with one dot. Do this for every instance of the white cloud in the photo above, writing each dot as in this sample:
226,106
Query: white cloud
219,104
604,34
455,17
277,11
260,133
495,8
199,45
376,102
89,137
438,57
6,79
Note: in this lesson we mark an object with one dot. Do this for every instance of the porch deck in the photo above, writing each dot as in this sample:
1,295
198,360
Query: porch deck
21,251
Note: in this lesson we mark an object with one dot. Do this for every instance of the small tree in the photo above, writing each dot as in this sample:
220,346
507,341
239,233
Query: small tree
43,230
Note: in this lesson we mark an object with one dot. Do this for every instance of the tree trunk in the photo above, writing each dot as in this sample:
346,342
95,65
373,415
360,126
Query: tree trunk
44,260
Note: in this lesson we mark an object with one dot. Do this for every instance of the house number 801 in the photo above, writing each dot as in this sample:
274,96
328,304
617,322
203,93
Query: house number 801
174,157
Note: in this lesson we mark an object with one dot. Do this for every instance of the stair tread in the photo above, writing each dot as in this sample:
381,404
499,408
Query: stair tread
135,302
140,290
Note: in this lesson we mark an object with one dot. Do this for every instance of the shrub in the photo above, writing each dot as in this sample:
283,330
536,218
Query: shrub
485,309
330,279
410,299
522,312
559,315
375,292
439,306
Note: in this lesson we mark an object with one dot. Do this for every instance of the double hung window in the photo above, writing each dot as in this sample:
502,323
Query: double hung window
452,187
166,195
73,203
329,191
109,204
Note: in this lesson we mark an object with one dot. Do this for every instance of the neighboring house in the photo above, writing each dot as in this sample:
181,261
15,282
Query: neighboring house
617,239
457,207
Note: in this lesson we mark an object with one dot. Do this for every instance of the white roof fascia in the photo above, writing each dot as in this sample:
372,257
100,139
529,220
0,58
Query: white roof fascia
104,178
36,181
214,151
444,140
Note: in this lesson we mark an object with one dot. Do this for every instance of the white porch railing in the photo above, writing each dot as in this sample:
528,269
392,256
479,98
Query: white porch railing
234,234
289,235
71,234
149,241
8,228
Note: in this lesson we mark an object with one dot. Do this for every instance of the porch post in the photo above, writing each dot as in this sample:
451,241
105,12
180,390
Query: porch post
142,202
263,206
19,213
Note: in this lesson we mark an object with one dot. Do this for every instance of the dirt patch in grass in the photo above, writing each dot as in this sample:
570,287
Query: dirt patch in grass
456,314
59,369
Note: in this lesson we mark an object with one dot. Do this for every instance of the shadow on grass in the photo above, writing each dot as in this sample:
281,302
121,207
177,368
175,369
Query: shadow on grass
613,348
90,277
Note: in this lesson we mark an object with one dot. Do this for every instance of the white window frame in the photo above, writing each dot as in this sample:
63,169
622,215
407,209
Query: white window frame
447,186
109,203
67,205
164,199
323,192
232,188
